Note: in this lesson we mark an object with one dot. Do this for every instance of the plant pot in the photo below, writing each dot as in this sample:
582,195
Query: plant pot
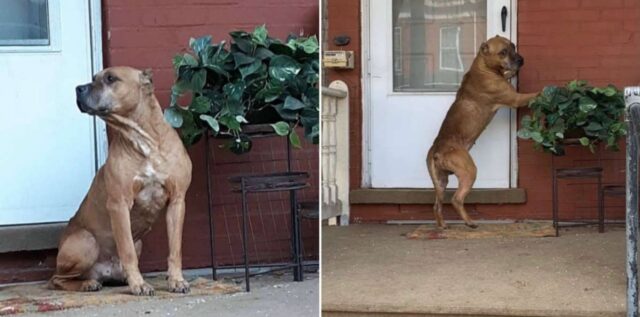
573,136
266,115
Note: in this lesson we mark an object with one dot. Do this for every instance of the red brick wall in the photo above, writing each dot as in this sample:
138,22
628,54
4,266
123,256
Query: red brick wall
595,40
147,34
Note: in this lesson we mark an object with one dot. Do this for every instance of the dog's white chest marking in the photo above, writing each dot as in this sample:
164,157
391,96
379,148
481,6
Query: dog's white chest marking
152,195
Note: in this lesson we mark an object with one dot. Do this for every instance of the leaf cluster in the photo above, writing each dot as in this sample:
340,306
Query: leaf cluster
592,114
255,79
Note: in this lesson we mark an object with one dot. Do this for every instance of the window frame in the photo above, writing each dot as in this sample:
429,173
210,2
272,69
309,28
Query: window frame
53,18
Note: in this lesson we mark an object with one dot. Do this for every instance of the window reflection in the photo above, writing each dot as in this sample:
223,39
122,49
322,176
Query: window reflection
434,42
24,23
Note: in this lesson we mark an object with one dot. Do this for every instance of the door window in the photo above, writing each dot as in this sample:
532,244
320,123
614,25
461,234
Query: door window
24,23
435,42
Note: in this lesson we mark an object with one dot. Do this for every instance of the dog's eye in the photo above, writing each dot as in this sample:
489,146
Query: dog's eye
110,79
503,52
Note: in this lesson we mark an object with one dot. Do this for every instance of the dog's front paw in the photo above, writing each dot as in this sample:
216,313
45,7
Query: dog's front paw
90,286
472,225
143,289
179,286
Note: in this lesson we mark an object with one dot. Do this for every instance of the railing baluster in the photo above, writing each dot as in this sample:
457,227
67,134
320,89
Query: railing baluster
334,108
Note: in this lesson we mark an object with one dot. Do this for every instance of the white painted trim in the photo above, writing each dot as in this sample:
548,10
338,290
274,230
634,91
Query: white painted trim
513,112
365,15
100,128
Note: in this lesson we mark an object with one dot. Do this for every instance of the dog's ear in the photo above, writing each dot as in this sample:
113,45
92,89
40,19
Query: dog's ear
484,48
146,79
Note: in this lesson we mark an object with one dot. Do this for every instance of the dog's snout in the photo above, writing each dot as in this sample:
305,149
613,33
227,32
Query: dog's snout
82,95
82,89
519,60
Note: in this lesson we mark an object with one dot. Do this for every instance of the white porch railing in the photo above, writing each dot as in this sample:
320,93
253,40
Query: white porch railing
335,153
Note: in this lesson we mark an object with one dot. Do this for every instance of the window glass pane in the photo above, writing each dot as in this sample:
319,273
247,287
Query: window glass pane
24,22
435,42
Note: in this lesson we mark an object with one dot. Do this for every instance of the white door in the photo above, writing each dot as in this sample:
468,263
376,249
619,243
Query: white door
47,147
419,51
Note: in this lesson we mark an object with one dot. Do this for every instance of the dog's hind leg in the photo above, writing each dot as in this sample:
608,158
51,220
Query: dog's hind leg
77,254
461,164
440,178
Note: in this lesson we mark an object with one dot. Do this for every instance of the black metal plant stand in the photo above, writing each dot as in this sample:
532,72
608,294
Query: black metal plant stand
261,183
576,172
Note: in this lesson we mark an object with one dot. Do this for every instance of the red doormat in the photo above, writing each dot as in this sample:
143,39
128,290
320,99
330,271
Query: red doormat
484,231
37,298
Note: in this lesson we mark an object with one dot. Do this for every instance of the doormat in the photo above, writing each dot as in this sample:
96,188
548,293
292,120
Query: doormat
484,231
17,299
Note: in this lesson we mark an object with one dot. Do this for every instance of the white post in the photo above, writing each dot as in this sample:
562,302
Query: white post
335,153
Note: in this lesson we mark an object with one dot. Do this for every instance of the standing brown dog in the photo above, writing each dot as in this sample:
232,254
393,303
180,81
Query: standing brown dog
484,89
146,174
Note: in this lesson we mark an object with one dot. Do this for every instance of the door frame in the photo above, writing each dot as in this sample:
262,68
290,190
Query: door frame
365,16
44,236
99,126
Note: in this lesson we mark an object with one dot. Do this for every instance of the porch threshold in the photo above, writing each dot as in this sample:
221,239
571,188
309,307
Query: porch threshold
427,196
30,237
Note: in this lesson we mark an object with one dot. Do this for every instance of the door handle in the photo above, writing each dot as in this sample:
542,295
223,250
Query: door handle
503,15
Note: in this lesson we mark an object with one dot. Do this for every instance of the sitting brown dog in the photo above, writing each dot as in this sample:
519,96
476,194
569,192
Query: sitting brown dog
484,89
146,174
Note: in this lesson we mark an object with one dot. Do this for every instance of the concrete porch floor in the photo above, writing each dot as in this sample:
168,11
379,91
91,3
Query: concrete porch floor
373,270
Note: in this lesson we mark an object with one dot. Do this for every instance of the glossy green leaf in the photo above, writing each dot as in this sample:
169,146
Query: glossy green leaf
270,92
198,80
288,115
250,69
292,103
295,139
610,91
211,121
524,134
173,116
310,45
189,60
584,141
230,122
241,58
259,35
199,45
218,70
283,68
177,61
241,119
263,53
593,126
587,104
245,45
281,49
200,104
234,90
281,128
537,136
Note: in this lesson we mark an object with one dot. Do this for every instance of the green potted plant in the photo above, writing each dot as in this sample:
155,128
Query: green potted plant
254,80
576,111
